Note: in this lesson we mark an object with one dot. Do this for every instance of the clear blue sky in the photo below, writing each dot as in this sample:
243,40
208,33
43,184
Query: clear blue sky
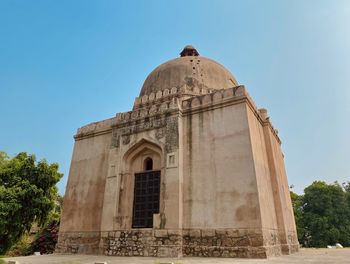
64,64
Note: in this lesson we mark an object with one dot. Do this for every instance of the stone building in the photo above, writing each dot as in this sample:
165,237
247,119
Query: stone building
195,169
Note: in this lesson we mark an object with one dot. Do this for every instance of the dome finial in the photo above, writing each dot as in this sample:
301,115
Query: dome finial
189,50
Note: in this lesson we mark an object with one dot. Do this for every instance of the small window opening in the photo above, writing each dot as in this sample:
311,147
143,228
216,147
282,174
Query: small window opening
148,164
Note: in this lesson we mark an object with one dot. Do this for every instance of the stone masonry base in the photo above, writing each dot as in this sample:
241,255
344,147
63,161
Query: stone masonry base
231,243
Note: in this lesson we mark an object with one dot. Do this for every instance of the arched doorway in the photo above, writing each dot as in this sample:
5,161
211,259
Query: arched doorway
146,195
141,192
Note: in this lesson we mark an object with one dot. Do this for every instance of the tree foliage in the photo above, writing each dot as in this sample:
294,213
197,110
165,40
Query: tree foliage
297,203
27,194
322,215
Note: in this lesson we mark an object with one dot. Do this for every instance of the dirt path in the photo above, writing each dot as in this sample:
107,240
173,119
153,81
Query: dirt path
319,256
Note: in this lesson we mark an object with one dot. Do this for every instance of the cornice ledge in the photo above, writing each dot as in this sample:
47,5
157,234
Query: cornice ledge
95,129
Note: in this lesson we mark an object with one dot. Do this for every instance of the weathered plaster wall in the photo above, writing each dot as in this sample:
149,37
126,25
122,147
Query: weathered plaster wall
220,188
83,199
284,210
286,200
263,177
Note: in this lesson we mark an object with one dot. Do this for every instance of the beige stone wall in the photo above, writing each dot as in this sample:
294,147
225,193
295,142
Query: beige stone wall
234,175
284,210
83,199
285,198
262,171
220,187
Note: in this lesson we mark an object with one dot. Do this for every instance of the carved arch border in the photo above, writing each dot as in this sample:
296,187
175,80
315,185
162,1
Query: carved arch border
128,181
138,148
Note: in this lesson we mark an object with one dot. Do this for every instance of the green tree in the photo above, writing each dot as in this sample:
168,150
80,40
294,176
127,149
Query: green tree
346,186
326,215
297,203
27,194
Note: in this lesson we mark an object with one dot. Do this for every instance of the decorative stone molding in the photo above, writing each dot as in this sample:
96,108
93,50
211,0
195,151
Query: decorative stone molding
267,122
159,94
215,97
263,114
144,99
115,139
227,95
151,97
148,110
166,92
126,139
165,126
167,95
95,128
160,133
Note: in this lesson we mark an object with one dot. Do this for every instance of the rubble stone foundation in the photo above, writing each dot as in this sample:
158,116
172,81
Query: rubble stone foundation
230,243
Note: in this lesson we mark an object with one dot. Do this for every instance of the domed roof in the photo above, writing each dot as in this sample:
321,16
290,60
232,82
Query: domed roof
190,69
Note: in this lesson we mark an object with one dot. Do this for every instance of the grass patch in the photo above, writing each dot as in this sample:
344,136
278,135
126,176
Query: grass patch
21,247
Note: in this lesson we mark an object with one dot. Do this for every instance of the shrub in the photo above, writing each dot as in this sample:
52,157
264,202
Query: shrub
46,239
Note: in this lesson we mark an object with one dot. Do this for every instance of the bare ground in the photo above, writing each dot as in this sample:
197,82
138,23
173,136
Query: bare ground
319,256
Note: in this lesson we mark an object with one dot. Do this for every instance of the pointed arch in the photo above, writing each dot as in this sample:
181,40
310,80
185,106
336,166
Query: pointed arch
134,176
143,145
